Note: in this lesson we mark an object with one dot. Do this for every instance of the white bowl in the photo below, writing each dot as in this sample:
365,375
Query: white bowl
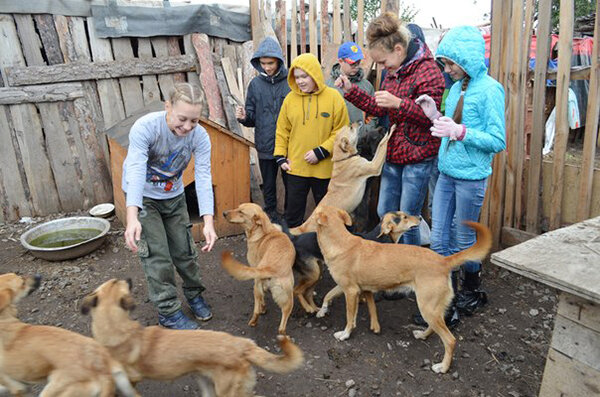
102,210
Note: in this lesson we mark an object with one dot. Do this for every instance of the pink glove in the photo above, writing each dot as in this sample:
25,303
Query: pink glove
446,127
428,105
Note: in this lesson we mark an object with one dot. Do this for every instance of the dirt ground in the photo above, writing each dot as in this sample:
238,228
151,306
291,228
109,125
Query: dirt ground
500,352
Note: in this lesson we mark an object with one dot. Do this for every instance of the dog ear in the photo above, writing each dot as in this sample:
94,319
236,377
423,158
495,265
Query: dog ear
5,298
88,302
127,303
256,219
321,218
345,144
345,217
386,228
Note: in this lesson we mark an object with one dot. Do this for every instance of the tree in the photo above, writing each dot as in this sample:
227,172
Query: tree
373,8
582,7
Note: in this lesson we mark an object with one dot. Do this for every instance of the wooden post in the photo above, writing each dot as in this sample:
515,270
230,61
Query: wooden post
281,27
208,78
294,31
312,27
532,214
562,125
360,30
302,27
255,23
337,23
324,28
346,24
591,130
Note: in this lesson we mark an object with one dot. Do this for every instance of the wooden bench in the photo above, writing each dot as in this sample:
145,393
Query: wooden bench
567,259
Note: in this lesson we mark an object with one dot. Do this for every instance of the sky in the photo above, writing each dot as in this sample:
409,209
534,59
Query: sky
449,13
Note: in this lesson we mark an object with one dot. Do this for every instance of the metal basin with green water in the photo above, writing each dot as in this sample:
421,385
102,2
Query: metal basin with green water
65,238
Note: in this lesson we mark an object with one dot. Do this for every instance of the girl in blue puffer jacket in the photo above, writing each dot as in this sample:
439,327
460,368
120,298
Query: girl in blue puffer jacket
470,138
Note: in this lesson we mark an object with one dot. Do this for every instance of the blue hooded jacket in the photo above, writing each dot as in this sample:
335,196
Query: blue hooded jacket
483,110
264,98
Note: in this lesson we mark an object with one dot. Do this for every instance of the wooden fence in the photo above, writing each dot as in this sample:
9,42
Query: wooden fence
62,87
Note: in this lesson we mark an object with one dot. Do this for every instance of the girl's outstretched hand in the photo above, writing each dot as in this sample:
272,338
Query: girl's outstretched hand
446,127
429,108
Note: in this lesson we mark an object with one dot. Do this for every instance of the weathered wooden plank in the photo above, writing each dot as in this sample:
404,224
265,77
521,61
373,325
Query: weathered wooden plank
312,27
40,93
512,236
230,53
346,21
577,73
281,26
231,81
45,25
150,91
174,50
166,82
564,376
208,78
30,41
109,92
579,310
193,77
576,341
325,40
14,192
248,70
302,26
255,22
78,71
567,11
294,31
130,86
567,259
584,202
532,214
228,102
337,23
360,34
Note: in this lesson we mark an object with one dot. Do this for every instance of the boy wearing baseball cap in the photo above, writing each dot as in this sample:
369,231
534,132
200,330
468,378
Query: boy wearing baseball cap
349,59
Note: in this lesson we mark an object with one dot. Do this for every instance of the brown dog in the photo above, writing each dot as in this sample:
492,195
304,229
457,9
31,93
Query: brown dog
271,257
359,265
350,173
158,353
393,225
72,364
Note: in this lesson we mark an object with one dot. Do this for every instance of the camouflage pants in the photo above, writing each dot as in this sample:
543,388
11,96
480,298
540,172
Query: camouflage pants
167,245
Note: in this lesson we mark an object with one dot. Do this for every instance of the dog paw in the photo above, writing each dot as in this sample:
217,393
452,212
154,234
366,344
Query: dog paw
322,312
342,335
439,368
376,329
252,323
418,334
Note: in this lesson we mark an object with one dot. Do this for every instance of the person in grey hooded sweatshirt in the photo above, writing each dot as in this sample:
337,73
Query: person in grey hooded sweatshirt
264,97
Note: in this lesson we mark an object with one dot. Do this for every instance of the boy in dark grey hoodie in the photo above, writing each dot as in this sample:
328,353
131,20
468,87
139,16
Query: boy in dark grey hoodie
265,95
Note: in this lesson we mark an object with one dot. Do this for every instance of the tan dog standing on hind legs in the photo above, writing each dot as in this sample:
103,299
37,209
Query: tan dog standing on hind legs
271,257
72,364
359,265
350,173
164,354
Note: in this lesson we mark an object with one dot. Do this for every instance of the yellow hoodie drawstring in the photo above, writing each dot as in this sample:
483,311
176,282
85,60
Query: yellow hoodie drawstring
317,114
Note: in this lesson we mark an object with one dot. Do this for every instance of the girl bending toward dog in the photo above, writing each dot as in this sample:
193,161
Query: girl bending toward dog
161,145
470,138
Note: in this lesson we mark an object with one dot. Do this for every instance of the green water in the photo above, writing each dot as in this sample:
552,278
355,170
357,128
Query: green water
64,238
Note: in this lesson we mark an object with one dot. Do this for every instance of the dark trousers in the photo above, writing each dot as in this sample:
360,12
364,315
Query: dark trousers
268,170
297,188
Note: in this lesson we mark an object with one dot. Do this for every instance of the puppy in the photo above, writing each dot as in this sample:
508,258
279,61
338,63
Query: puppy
359,265
158,353
392,226
350,173
72,364
271,257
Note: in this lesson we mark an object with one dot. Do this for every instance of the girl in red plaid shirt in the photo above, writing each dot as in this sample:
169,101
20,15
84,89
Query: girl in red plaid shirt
411,72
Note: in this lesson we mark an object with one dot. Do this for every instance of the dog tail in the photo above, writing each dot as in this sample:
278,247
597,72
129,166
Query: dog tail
242,272
291,359
122,381
477,252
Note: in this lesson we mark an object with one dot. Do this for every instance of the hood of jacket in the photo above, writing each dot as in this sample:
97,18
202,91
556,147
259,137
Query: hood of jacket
464,45
335,73
310,64
269,47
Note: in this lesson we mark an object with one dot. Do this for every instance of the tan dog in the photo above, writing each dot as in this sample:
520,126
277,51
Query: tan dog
393,225
271,257
359,265
350,173
72,364
158,353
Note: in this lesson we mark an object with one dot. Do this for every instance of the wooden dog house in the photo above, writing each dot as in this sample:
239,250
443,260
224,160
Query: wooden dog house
230,164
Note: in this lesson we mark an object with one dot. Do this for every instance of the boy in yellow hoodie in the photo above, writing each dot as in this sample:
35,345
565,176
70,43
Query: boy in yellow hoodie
310,116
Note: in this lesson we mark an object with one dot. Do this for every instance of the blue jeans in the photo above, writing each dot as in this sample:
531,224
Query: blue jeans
459,200
403,187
